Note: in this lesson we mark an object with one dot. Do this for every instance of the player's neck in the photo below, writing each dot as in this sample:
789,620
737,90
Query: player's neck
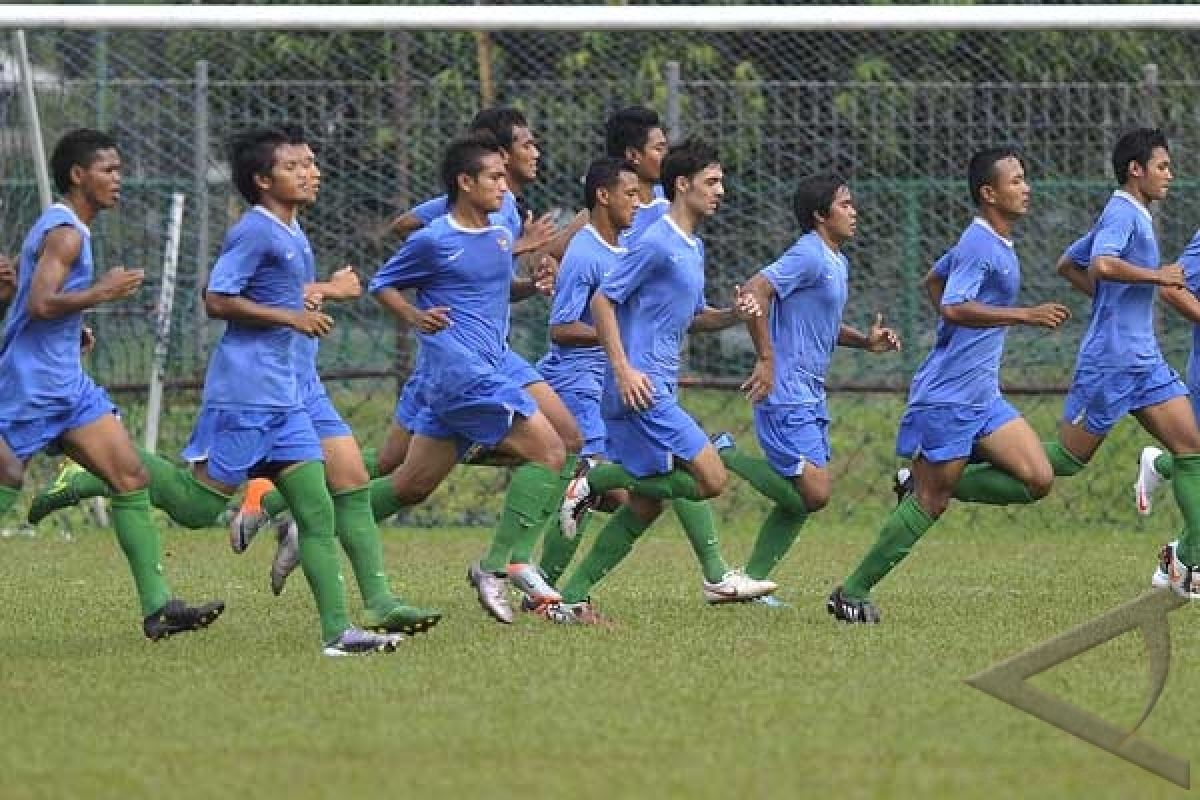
468,216
684,218
80,206
605,229
1133,191
515,184
645,192
831,242
998,222
284,212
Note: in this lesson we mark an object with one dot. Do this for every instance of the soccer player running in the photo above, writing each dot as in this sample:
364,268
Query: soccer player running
805,291
636,135
462,262
49,403
642,311
955,412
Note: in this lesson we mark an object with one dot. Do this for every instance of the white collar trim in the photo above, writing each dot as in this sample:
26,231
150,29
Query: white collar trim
1124,195
986,226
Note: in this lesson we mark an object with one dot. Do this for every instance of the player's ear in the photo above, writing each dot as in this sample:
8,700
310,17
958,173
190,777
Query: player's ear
602,196
987,194
632,155
77,173
263,182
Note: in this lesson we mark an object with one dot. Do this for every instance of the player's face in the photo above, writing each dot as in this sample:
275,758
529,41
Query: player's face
623,200
1010,188
289,179
1154,179
842,222
101,180
704,190
524,155
649,159
314,173
485,190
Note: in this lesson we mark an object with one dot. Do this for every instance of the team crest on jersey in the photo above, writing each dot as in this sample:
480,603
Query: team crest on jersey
503,242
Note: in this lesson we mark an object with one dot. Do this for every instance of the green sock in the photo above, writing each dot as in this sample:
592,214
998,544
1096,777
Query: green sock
312,508
763,477
371,459
1186,486
676,483
273,503
1064,462
8,497
1163,465
522,552
775,537
613,543
359,536
384,503
697,520
903,527
85,485
139,542
526,509
176,491
558,550
985,483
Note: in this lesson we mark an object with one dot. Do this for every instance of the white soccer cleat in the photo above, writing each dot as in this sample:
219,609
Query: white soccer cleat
577,500
1174,574
736,586
1147,481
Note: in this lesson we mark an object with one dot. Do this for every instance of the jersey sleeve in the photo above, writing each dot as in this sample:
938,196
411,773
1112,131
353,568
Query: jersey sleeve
1112,234
793,271
240,256
942,266
430,210
1079,252
632,270
412,265
576,281
965,280
1189,259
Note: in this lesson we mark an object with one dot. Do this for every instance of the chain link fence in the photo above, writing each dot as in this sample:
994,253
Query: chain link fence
898,113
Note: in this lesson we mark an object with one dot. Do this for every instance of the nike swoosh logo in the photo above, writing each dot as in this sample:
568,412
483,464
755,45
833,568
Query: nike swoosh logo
455,254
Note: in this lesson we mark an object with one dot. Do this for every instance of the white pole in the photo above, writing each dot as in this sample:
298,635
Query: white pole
162,326
32,120
226,17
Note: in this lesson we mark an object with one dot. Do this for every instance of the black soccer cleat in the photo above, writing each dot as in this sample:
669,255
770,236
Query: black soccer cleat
178,617
847,609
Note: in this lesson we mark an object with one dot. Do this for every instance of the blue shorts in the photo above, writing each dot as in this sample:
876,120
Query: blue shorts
792,436
647,443
948,432
585,407
326,420
1098,399
481,415
518,370
408,404
25,437
244,444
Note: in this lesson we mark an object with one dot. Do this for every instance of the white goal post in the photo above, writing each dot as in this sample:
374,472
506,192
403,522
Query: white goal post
604,17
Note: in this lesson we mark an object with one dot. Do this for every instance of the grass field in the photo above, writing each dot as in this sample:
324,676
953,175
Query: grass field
680,700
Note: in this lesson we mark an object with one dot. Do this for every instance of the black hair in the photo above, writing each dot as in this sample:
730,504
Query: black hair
686,160
603,173
814,195
629,127
252,154
981,170
77,148
1136,145
465,156
499,122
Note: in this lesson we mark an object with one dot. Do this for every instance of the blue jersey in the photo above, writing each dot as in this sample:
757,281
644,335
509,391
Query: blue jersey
645,216
468,270
1190,261
263,260
39,358
658,288
810,283
306,346
964,366
508,216
585,264
1120,334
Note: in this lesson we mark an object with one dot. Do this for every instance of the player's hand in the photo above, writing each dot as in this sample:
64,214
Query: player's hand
432,320
87,341
545,274
535,234
119,283
637,392
1048,315
312,323
313,300
760,382
1171,275
8,279
745,304
346,283
881,339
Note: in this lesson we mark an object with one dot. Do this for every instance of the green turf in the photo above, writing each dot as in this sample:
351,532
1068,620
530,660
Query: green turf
680,700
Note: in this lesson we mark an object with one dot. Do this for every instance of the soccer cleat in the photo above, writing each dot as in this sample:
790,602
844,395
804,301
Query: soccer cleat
574,614
529,579
491,593
1174,574
578,499
250,518
58,495
723,441
1147,481
736,586
178,617
401,618
287,553
355,642
770,601
847,609
902,484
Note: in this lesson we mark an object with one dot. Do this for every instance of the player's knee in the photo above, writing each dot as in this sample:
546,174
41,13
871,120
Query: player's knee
1040,482
552,454
933,502
12,473
646,509
711,484
345,479
411,490
816,497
